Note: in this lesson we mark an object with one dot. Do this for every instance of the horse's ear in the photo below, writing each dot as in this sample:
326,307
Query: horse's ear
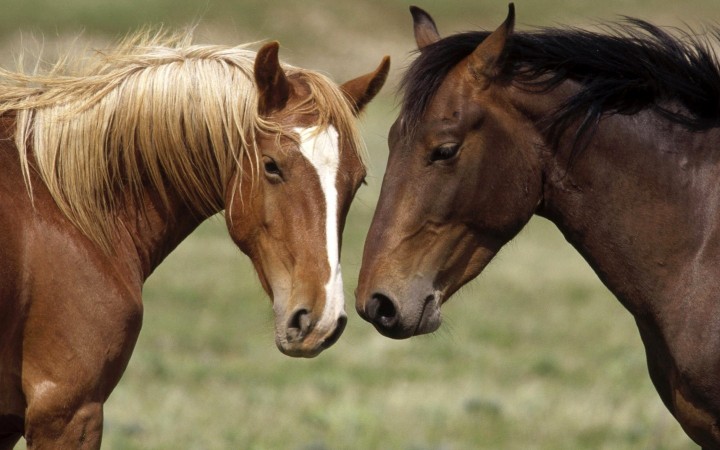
364,88
426,32
272,84
486,59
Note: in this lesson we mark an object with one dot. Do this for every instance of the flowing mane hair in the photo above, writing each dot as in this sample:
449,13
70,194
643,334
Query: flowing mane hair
630,66
154,111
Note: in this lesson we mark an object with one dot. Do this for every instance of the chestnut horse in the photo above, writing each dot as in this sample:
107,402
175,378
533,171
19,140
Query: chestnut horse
105,170
612,136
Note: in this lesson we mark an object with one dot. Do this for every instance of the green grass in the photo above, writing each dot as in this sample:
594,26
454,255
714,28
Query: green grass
534,354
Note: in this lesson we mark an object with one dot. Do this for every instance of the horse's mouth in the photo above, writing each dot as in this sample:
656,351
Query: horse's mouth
335,335
311,346
430,317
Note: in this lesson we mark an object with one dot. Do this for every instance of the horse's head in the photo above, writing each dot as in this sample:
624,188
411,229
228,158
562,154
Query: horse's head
459,184
287,209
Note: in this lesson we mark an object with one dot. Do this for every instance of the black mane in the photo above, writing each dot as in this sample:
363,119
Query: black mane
633,66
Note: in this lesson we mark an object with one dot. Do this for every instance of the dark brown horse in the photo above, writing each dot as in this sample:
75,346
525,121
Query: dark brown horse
612,136
104,172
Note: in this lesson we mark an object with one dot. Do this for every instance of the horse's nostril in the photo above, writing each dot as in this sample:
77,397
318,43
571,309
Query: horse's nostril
299,325
382,311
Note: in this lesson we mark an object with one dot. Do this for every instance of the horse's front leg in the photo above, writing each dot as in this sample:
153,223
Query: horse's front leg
73,357
52,424
8,441
65,401
687,380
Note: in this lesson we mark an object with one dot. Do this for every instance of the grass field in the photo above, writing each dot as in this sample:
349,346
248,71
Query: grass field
534,354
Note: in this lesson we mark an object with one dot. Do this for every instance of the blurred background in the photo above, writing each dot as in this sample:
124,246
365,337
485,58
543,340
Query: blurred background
534,354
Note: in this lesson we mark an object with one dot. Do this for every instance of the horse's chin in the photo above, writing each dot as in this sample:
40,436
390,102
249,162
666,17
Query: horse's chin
303,350
297,351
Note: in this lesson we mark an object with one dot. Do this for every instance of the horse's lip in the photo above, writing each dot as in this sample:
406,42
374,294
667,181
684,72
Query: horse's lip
423,325
333,337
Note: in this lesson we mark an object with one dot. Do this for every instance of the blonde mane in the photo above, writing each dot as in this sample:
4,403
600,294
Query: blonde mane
155,111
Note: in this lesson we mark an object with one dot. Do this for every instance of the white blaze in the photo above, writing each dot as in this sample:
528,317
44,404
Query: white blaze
322,150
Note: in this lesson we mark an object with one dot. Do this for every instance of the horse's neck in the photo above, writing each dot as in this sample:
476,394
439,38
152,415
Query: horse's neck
640,203
153,230
146,232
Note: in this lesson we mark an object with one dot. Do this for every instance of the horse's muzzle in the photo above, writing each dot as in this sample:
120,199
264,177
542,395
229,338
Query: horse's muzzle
401,320
302,338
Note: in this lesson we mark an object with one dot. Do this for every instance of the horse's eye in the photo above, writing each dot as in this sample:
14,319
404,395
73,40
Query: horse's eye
443,152
272,170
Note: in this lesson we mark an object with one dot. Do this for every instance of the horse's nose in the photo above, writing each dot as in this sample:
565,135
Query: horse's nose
382,312
299,325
